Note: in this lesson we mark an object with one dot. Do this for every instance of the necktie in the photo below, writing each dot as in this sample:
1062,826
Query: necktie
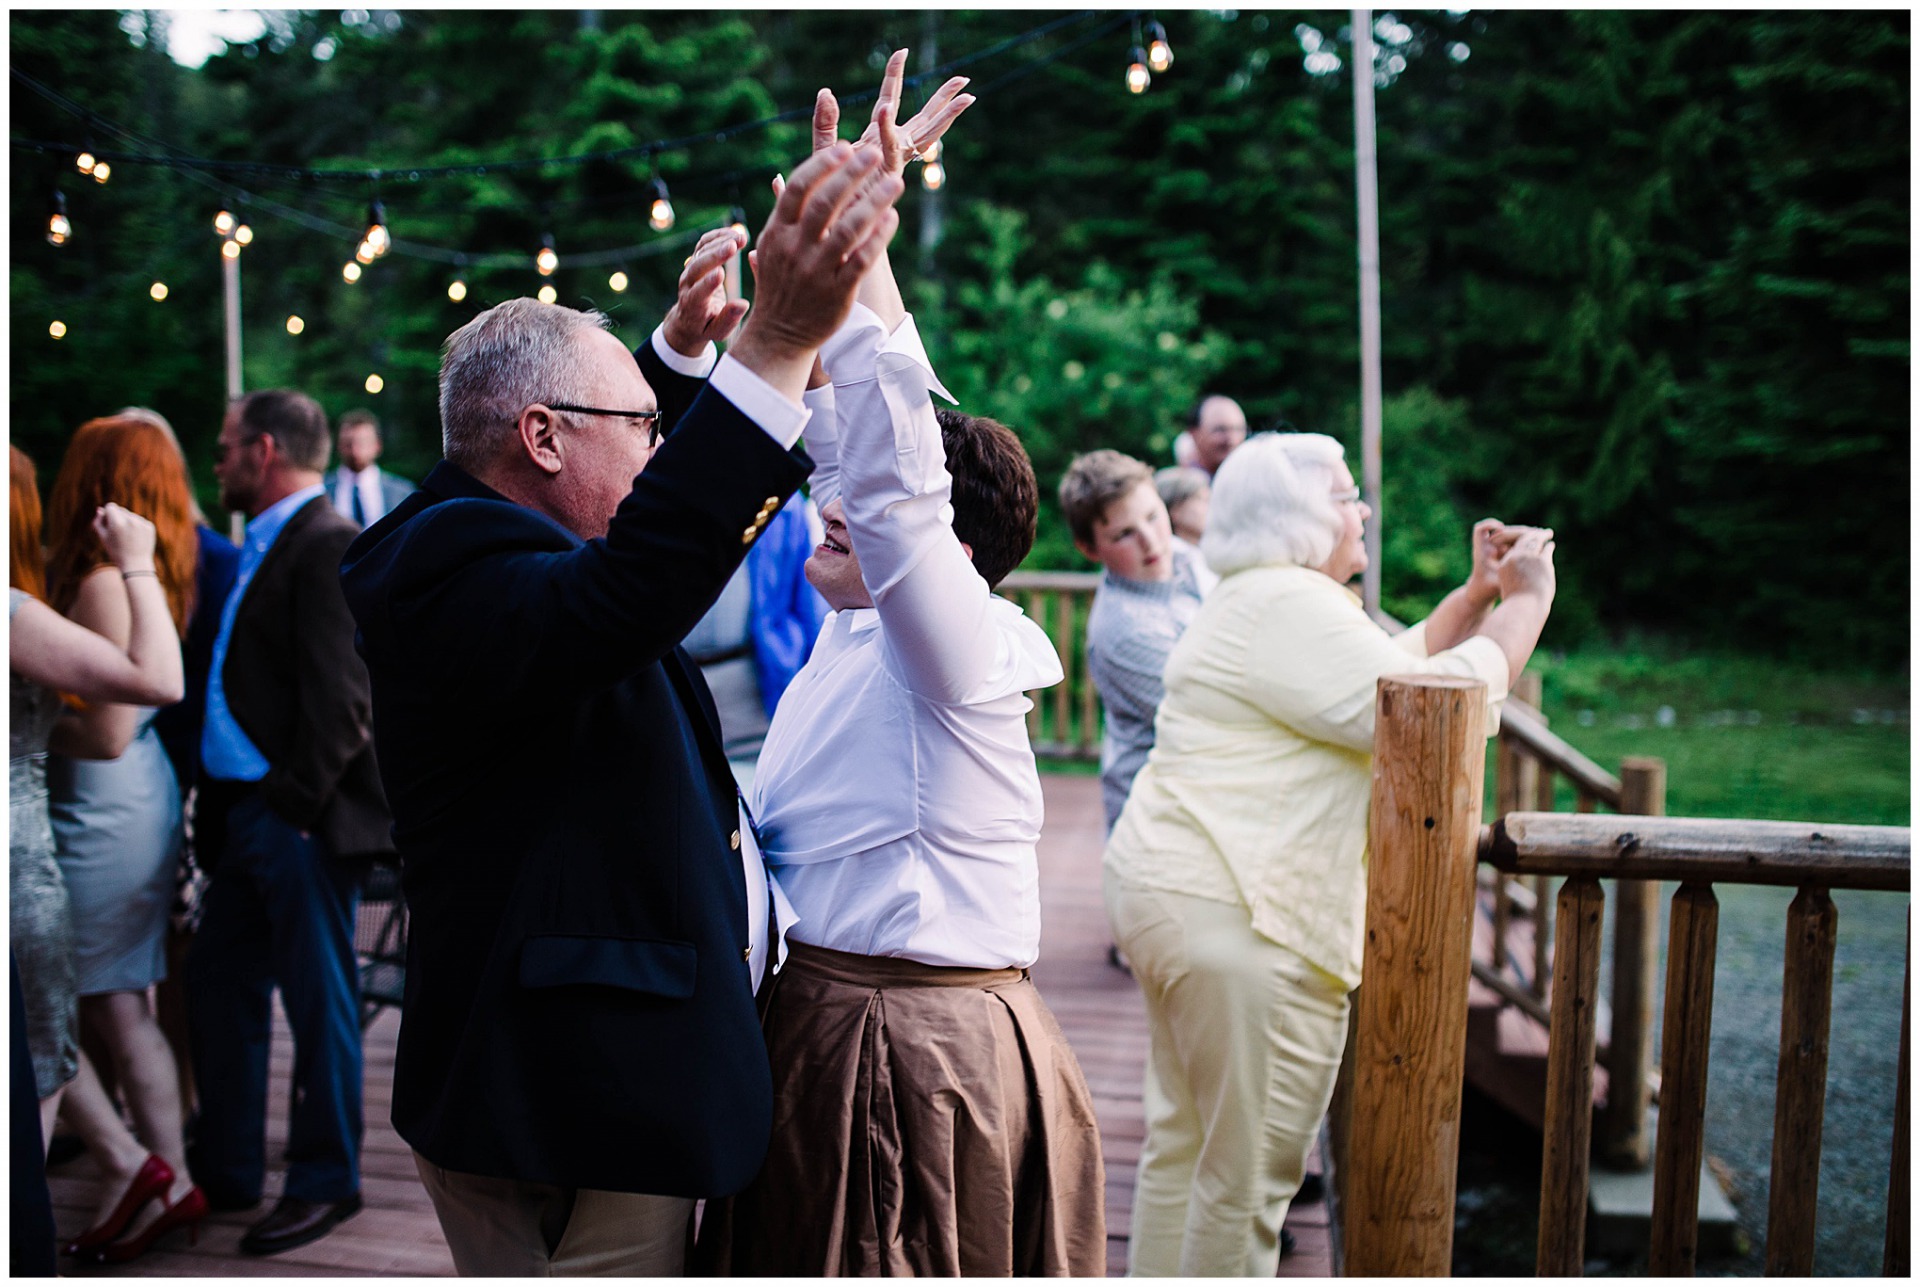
359,510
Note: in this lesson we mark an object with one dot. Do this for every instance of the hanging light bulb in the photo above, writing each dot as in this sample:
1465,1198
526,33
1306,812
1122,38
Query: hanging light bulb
1159,52
158,291
1138,77
351,272
548,259
296,324
377,240
932,152
456,290
58,329
224,223
375,383
660,217
618,281
243,235
102,172
85,162
933,176
59,227
364,254
230,250
548,294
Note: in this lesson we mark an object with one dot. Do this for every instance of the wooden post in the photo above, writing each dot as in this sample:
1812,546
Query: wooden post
1367,198
1516,784
1898,1257
1091,732
1636,954
1542,936
1800,1090
1568,1130
1429,768
1037,613
1685,1034
1070,650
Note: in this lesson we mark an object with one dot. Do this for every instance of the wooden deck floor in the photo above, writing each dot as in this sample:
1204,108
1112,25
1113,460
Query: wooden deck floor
397,1235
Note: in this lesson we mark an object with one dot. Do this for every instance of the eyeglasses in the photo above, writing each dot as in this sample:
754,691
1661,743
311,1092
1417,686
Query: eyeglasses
651,419
221,450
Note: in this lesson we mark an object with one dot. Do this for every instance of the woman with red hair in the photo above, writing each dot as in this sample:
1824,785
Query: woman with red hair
48,654
115,803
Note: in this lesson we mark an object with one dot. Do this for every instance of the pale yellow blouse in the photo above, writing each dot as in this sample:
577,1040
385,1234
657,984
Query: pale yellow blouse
1257,789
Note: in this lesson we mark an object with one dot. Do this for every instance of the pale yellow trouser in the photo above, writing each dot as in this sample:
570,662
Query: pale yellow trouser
1246,1042
517,1229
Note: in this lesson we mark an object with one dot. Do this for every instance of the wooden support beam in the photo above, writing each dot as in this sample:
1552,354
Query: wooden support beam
1704,850
1429,769
1685,1035
1800,1090
1636,956
1568,1131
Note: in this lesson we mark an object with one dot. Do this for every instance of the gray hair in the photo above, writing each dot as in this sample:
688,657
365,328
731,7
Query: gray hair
1178,484
1273,503
494,367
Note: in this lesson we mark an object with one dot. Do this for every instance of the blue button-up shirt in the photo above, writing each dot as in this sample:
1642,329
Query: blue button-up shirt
227,753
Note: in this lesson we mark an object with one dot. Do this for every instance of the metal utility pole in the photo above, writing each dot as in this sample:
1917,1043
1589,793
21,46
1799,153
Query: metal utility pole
230,288
932,200
1367,186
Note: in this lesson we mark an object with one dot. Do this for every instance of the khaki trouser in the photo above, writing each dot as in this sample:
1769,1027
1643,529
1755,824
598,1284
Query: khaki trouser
516,1229
1246,1041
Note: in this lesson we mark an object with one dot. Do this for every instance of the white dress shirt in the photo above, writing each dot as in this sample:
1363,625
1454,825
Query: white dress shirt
782,421
897,794
373,505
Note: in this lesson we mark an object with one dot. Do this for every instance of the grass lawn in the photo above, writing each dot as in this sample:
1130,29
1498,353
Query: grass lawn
1742,738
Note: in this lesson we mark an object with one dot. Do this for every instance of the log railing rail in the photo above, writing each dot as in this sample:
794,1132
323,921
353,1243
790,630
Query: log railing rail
1699,853
1064,723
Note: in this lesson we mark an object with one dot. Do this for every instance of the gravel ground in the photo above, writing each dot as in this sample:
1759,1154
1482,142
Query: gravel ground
1499,1164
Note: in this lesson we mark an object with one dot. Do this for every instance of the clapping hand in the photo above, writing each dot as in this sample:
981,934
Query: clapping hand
703,314
1527,567
127,537
898,144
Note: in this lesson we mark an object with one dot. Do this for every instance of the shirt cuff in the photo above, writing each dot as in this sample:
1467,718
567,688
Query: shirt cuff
863,325
905,343
698,367
821,424
759,401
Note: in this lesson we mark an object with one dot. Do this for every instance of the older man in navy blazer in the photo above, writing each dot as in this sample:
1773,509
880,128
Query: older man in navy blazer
579,1056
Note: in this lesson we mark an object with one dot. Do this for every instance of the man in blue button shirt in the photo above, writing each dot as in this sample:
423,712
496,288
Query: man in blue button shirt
292,805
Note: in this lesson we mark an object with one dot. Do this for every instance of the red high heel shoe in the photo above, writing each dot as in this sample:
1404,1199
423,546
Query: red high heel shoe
151,1181
188,1211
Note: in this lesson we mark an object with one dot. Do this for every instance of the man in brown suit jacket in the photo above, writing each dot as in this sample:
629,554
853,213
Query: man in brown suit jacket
293,804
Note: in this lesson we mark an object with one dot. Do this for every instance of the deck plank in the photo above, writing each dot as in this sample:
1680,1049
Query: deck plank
1097,1005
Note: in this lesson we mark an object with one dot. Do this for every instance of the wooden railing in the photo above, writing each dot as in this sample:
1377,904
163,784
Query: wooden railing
1065,722
1396,1152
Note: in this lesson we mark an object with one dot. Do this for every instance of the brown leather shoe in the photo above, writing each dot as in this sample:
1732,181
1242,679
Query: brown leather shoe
293,1223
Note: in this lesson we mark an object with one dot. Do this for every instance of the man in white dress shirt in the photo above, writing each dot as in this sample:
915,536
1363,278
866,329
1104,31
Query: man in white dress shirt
359,489
929,1117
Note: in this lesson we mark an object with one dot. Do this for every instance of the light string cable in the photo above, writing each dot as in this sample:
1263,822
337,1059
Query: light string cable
173,157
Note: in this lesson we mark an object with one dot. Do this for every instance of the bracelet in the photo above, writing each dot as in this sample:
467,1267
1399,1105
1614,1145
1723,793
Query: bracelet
128,576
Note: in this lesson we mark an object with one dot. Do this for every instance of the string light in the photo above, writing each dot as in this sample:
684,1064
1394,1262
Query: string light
101,172
548,294
351,273
375,383
58,329
548,259
1138,77
933,175
85,162
224,223
158,290
377,241
296,324
230,249
1159,52
456,290
59,227
618,281
243,235
363,253
660,217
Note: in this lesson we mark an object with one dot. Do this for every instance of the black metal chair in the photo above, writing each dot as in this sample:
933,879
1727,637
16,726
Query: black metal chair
380,940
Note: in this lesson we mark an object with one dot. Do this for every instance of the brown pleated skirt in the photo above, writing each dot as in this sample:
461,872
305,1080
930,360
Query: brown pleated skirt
926,1121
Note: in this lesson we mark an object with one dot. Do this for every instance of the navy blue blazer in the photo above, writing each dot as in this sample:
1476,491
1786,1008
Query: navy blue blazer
578,1009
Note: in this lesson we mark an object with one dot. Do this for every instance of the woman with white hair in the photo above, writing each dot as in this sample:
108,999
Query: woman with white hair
1235,878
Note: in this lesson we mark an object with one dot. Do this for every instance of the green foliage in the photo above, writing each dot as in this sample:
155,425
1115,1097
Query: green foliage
1644,273
1105,363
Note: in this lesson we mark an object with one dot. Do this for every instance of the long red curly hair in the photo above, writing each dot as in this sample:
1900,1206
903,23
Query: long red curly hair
134,463
26,557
